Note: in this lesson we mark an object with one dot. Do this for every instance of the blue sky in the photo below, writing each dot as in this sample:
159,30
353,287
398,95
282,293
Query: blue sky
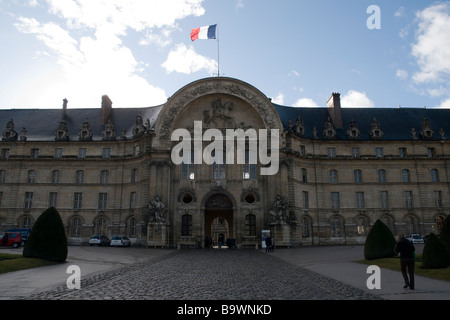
296,52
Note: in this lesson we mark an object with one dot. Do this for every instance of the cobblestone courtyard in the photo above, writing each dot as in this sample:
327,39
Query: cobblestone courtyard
208,275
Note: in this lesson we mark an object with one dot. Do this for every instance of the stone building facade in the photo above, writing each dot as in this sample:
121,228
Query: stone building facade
111,170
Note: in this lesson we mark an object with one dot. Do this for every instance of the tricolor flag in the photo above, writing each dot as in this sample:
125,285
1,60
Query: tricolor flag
207,32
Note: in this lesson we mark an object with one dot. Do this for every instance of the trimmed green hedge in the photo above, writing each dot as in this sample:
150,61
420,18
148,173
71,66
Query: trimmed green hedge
47,238
434,254
380,242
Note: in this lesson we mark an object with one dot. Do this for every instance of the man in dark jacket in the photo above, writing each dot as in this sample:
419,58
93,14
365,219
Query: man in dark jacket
407,259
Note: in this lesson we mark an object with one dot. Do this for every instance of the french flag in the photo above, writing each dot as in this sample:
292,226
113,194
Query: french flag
206,32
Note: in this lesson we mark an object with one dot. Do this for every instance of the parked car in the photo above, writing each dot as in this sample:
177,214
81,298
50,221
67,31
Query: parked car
120,240
13,239
415,238
24,232
99,240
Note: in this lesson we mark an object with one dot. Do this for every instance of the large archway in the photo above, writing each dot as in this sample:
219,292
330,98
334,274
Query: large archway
218,218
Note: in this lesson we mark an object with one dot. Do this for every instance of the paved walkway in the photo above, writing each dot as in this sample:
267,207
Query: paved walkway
309,273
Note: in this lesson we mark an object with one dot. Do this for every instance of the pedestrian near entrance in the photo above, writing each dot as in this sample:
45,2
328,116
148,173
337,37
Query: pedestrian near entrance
407,259
268,244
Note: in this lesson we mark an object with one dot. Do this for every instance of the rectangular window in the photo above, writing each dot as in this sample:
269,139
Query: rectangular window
77,200
384,199
28,200
82,153
134,175
250,225
58,153
132,200
249,169
219,169
379,152
437,197
188,168
360,204
34,153
402,152
106,153
5,153
53,199
305,197
102,201
331,152
431,152
355,152
302,150
335,200
186,225
408,199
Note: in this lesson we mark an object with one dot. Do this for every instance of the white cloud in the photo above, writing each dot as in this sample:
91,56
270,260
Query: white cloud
400,12
432,49
279,99
356,99
402,74
305,102
186,60
445,104
89,49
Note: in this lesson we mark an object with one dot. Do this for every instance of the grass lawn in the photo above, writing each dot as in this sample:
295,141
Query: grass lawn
15,262
394,264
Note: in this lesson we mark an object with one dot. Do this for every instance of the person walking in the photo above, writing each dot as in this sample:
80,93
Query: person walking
268,244
406,250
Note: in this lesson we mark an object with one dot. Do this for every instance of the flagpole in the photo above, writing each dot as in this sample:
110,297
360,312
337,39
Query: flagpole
218,53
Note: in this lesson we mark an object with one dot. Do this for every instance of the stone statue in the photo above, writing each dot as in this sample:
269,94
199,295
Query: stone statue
278,211
157,210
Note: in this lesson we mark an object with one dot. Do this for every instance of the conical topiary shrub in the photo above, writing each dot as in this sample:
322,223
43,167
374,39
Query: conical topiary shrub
47,238
445,233
434,254
380,242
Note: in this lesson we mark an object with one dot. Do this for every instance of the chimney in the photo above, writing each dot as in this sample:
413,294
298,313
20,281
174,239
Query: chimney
64,110
106,109
334,109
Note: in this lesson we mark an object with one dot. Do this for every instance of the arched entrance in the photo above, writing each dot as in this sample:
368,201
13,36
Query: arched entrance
219,218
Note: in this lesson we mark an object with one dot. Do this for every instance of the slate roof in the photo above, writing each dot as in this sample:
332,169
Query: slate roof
41,124
396,123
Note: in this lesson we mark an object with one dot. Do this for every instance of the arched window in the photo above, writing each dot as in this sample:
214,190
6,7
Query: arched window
336,227
31,176
362,226
132,227
381,175
79,178
333,176
55,176
104,176
25,222
100,226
